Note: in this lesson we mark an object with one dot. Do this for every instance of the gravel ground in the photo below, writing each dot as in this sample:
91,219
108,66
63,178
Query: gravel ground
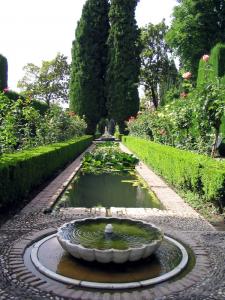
211,285
182,223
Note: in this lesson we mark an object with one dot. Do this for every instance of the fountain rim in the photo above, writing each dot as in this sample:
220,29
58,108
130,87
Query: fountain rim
104,285
110,249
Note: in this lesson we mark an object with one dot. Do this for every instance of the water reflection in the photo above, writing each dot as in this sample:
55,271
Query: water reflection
107,190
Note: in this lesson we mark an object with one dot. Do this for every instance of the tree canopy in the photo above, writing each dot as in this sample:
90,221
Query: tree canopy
48,83
156,64
89,58
123,62
197,26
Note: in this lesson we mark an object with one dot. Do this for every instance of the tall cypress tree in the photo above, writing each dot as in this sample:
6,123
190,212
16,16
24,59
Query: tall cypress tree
89,58
3,73
123,62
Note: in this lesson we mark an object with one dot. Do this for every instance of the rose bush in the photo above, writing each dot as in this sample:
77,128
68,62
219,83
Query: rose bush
22,126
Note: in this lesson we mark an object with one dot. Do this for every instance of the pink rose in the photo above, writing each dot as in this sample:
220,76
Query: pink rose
183,95
71,113
131,118
187,75
6,90
205,57
162,132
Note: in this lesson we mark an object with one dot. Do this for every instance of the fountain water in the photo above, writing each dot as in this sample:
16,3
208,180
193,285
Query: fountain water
109,253
119,241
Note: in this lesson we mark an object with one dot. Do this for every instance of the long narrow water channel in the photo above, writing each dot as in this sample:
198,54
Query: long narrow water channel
108,190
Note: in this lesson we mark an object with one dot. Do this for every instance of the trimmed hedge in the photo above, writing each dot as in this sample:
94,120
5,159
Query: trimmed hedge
23,171
197,173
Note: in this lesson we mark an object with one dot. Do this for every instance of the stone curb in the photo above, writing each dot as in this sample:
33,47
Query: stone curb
167,196
47,197
20,272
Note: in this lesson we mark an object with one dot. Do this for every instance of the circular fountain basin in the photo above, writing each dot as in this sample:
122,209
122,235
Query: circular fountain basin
51,260
127,240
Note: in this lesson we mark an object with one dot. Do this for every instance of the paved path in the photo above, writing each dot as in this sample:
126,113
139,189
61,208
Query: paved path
205,281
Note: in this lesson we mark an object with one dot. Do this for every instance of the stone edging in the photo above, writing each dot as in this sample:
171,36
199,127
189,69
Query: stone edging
109,286
166,195
21,273
45,199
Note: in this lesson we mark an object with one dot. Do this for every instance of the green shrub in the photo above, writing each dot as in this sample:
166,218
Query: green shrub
185,170
12,95
23,171
222,127
221,148
41,107
3,73
217,66
23,127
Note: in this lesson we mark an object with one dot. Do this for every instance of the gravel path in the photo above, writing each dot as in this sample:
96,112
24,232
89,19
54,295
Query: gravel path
205,281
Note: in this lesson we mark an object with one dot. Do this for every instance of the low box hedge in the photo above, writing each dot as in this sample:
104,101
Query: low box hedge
183,169
23,171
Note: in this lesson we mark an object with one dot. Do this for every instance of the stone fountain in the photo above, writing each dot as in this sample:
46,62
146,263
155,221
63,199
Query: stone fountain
109,253
107,136
109,240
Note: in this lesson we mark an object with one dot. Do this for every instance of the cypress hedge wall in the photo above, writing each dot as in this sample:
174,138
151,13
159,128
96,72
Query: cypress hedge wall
183,169
23,171
3,73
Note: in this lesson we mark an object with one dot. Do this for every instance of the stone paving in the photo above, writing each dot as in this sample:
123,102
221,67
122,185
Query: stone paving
205,281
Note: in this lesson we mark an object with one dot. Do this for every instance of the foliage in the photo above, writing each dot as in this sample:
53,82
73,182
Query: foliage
22,126
21,172
16,123
221,148
157,69
58,125
123,62
222,127
48,83
199,25
210,108
13,95
189,122
108,158
3,73
171,94
211,91
185,170
169,125
89,58
40,106
213,68
117,133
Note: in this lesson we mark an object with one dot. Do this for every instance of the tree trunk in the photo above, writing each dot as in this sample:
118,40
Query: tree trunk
154,98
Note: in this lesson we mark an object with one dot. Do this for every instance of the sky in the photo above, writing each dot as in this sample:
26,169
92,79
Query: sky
36,30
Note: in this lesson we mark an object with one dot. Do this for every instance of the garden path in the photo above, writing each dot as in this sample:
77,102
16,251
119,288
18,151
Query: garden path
205,281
